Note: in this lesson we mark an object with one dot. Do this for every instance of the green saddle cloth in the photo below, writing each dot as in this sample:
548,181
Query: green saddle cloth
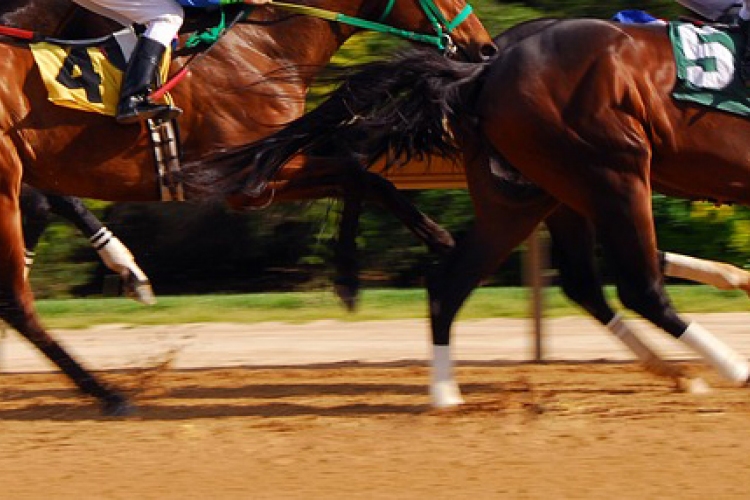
708,67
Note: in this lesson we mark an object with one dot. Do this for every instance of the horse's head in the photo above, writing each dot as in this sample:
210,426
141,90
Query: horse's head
452,23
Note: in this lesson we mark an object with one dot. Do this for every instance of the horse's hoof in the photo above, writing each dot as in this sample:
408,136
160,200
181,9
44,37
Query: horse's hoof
445,394
117,407
138,290
347,295
694,385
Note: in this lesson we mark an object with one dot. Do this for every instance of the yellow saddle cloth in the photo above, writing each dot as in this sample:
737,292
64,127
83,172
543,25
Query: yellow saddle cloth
85,78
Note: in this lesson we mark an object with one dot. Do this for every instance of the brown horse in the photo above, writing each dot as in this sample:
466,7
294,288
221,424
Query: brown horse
229,98
353,186
554,119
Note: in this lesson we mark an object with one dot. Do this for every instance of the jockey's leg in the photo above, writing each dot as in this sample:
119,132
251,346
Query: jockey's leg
163,19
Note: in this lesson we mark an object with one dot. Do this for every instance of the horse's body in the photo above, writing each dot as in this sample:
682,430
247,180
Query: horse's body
61,18
573,112
254,84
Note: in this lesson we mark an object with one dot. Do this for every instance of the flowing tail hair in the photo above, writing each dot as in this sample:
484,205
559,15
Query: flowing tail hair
399,108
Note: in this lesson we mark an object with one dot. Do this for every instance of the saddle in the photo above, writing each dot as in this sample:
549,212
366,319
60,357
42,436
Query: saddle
86,75
707,59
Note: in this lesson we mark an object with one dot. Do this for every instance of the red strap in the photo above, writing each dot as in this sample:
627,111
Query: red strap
172,83
17,33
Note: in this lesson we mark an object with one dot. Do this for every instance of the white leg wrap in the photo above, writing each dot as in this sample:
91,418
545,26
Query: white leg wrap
28,259
645,354
628,337
730,364
444,390
115,254
721,275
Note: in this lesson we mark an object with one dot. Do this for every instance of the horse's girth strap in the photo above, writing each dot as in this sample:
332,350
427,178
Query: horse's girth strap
166,153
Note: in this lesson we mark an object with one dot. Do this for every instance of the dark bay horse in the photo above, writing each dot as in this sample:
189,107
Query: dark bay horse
256,83
555,119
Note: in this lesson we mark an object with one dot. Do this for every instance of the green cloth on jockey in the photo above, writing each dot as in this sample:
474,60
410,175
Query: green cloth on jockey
208,36
707,63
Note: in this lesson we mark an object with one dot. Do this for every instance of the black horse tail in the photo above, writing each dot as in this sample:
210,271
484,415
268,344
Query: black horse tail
399,107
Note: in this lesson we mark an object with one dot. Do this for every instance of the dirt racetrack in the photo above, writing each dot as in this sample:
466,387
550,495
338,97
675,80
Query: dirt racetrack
593,427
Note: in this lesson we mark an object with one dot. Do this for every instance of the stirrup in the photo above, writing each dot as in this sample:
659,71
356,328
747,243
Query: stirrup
143,112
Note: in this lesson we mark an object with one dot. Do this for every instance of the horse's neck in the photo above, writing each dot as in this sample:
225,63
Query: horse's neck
293,39
293,44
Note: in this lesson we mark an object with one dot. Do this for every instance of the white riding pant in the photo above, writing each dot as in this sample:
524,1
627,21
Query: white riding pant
711,9
162,18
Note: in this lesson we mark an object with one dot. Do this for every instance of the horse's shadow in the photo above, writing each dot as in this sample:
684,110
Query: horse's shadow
279,400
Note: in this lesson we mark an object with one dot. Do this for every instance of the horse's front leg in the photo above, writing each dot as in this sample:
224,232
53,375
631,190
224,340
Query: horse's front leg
624,221
573,254
16,300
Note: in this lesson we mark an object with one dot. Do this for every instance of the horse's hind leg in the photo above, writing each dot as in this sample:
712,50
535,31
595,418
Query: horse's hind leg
625,225
346,281
35,210
498,229
112,251
573,254
384,193
366,186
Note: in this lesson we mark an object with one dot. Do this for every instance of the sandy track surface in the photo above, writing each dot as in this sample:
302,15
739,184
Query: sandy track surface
335,411
263,344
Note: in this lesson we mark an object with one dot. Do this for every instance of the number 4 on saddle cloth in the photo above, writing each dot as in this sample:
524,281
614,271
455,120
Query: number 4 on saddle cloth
88,78
87,75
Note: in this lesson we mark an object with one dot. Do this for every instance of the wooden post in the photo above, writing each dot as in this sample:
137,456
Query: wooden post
3,339
536,263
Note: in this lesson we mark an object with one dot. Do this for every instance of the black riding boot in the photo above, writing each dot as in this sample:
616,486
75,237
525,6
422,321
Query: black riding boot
134,105
745,59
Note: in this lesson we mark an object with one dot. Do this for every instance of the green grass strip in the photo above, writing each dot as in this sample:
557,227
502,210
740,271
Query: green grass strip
301,307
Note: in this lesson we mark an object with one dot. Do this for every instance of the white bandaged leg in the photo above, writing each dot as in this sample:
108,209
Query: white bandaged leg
444,390
118,258
115,254
651,360
730,364
721,275
28,260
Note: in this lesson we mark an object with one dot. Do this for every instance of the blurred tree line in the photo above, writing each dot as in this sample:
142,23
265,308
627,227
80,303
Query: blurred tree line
186,248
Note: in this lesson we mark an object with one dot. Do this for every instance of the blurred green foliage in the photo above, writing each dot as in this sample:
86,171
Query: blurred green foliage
196,250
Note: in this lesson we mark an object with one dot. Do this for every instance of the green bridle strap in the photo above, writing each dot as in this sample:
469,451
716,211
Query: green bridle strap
438,18
441,25
387,11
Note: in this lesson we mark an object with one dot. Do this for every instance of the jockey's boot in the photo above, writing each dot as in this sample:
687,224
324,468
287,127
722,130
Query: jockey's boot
140,75
745,59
